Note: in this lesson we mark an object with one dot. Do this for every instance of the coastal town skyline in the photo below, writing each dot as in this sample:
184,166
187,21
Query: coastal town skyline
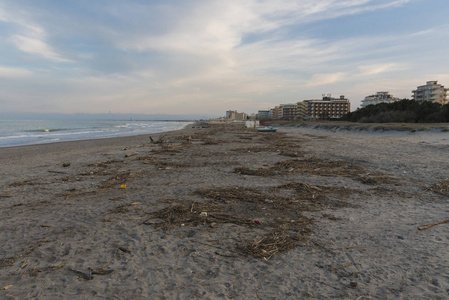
208,56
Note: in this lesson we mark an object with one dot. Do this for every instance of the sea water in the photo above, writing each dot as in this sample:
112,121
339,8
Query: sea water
29,132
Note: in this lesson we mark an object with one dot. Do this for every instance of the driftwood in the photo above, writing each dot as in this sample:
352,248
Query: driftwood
431,225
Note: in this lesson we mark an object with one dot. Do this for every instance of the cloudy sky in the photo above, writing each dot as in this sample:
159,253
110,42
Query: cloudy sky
209,56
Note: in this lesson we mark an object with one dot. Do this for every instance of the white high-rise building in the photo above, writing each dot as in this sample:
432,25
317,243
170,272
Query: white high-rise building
432,91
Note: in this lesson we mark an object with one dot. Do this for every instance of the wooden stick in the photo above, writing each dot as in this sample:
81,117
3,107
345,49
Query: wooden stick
433,224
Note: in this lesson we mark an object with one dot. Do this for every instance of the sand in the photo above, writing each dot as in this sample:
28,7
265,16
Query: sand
224,212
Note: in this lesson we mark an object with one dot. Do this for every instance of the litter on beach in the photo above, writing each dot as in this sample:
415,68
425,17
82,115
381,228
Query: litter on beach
267,129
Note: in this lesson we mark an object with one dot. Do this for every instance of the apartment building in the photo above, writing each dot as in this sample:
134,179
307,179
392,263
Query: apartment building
280,111
379,97
432,91
302,110
327,107
290,111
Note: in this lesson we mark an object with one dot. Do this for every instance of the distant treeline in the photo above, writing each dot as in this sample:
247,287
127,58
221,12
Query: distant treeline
404,111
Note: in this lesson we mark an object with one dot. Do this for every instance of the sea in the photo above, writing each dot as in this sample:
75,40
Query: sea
32,132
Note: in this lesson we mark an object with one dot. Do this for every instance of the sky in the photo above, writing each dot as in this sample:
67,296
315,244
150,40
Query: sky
207,56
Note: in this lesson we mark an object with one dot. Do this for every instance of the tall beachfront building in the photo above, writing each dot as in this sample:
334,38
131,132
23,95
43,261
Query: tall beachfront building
327,107
379,97
432,91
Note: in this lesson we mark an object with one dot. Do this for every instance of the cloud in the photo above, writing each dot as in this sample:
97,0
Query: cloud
36,46
378,69
14,72
30,37
204,53
323,79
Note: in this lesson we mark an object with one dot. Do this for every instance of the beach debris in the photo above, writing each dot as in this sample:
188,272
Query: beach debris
33,272
24,264
312,166
352,260
203,214
278,241
7,287
5,195
54,268
378,178
321,246
123,249
431,225
131,154
123,186
441,188
83,275
108,219
56,172
118,179
340,267
285,226
123,208
102,271
7,262
160,140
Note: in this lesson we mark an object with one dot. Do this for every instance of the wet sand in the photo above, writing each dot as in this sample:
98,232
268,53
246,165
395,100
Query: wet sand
224,212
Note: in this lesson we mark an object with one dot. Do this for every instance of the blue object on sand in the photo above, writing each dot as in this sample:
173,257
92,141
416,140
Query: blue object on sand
267,129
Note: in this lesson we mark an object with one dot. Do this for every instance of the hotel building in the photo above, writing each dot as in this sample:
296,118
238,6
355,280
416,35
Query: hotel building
432,91
327,107
379,97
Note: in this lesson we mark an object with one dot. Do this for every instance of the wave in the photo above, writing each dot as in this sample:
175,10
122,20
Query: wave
47,130
19,134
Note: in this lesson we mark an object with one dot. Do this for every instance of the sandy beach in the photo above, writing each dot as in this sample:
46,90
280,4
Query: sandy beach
218,211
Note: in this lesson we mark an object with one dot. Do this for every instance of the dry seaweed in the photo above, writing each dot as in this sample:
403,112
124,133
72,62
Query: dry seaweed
312,166
278,241
375,179
105,164
211,141
441,188
277,143
275,212
25,182
7,262
117,179
5,195
170,149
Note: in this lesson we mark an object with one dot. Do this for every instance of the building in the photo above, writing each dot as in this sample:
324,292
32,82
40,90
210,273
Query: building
302,110
280,111
274,113
327,107
263,114
432,91
379,97
289,111
234,115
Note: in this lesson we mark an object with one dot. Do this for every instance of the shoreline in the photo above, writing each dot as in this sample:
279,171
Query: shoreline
71,137
24,155
225,212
